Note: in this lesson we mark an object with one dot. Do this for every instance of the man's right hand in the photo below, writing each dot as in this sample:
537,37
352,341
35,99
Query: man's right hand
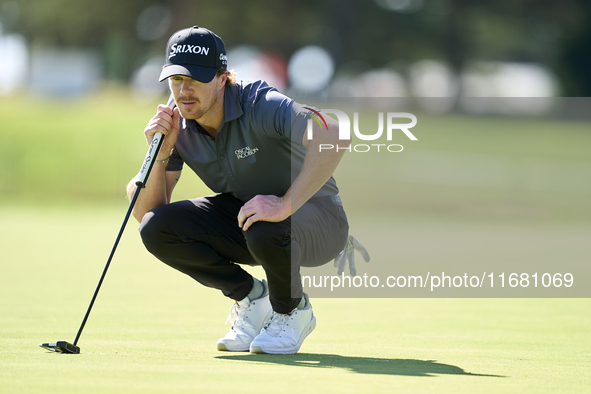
166,121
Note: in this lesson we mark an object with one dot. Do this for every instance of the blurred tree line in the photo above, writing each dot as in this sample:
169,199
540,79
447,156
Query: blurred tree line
554,33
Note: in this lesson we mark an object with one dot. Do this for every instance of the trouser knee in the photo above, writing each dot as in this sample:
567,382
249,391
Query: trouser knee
269,242
151,231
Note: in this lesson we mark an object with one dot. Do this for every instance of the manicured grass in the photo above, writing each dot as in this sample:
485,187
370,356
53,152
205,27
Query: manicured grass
154,330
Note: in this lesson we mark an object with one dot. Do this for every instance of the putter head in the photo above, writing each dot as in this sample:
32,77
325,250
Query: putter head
61,347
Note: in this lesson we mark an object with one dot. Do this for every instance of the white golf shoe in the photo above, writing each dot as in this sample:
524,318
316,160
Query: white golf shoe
284,334
247,318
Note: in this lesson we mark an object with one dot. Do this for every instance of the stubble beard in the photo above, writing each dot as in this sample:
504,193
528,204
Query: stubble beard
204,109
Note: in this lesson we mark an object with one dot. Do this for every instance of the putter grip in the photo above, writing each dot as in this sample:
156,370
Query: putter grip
153,150
150,159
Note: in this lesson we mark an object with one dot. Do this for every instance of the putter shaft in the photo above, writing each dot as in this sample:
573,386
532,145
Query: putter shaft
98,287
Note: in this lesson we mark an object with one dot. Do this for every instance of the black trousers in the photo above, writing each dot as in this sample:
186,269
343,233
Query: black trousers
201,238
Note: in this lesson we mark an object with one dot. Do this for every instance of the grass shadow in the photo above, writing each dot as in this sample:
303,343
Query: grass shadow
368,365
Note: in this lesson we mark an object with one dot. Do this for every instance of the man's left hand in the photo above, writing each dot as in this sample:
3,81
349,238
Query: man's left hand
263,208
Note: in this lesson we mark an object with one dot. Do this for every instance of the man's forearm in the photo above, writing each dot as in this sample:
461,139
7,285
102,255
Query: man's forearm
316,170
153,195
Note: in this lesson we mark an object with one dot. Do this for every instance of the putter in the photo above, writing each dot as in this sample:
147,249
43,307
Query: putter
144,174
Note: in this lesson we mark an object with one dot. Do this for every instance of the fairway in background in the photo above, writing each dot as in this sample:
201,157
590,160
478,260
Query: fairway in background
62,152
83,151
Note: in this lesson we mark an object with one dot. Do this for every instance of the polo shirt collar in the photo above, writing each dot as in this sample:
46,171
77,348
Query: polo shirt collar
232,107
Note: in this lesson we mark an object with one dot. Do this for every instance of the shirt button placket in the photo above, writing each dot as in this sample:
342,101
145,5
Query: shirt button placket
221,144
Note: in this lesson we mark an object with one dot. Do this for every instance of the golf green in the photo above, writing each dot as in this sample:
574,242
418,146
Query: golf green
154,330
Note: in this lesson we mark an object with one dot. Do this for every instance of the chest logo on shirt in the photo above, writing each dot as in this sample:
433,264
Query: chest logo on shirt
245,152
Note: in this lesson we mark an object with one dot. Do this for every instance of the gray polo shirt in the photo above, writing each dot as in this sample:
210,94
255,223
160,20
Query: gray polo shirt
258,150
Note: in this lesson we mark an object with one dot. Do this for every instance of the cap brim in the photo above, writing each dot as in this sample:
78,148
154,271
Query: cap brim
200,73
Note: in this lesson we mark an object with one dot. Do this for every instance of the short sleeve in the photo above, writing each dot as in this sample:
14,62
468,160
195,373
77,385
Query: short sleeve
299,121
175,162
279,115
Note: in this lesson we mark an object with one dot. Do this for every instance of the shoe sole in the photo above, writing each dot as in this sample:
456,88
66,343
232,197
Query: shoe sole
290,350
224,348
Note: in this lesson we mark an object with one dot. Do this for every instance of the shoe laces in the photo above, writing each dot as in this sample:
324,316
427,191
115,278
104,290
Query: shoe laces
238,314
276,324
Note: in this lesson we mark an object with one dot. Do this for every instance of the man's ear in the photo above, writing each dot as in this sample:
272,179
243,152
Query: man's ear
223,78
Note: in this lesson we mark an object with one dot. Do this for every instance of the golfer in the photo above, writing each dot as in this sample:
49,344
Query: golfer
276,203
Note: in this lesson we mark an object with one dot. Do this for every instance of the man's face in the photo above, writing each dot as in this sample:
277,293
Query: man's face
193,98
